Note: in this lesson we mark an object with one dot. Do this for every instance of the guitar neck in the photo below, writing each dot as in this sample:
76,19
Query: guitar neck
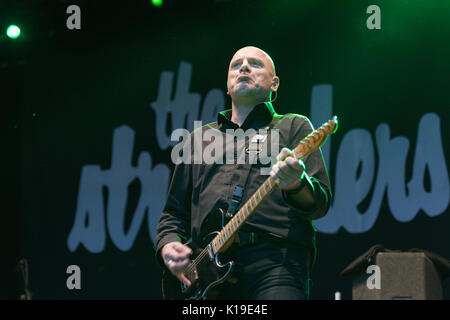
242,215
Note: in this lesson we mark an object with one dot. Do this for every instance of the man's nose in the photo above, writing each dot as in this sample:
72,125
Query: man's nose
245,66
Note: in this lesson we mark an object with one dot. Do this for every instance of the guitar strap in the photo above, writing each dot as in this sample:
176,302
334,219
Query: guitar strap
238,192
252,150
235,200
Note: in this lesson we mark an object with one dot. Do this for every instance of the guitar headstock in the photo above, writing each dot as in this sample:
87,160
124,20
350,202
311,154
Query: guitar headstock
316,139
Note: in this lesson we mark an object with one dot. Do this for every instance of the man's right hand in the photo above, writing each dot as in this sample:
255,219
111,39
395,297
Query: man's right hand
176,258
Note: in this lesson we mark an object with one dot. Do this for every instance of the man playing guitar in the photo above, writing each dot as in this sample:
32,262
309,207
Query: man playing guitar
275,247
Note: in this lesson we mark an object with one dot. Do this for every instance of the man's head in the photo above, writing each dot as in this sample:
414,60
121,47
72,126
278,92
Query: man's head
251,76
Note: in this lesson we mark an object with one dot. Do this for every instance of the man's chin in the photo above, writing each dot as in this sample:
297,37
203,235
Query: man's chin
244,90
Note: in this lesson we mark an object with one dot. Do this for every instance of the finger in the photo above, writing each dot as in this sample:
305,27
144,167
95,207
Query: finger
281,171
279,177
277,181
285,152
183,249
291,171
294,163
178,267
169,252
285,179
180,261
274,173
184,279
174,257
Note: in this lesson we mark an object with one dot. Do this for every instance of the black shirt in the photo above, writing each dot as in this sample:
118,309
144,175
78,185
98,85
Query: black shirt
197,189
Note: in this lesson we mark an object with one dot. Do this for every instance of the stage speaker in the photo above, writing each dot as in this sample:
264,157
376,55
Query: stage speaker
401,276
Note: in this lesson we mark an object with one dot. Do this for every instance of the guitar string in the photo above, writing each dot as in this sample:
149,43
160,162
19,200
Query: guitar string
193,266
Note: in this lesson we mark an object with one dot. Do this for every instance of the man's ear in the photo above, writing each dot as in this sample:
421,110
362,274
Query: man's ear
275,84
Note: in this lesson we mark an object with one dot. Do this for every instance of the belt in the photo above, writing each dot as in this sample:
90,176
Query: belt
244,239
251,238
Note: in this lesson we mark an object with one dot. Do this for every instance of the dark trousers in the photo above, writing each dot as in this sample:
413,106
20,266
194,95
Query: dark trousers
270,271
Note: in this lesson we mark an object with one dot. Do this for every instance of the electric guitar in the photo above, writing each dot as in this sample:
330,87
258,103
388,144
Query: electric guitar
206,272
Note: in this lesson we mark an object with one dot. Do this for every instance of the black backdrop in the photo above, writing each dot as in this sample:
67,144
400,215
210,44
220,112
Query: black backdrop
87,123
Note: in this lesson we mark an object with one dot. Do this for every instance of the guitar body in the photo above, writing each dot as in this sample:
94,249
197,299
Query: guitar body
208,273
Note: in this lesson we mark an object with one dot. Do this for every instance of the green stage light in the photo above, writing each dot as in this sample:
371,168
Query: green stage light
13,31
157,3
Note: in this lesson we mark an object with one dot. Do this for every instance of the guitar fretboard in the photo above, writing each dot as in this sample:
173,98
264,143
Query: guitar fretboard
243,214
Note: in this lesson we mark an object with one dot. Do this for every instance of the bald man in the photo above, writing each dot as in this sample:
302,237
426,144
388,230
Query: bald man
275,248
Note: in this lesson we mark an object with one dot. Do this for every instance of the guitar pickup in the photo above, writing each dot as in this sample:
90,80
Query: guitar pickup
210,252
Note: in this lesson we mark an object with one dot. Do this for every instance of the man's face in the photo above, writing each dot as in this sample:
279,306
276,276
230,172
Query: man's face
251,76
